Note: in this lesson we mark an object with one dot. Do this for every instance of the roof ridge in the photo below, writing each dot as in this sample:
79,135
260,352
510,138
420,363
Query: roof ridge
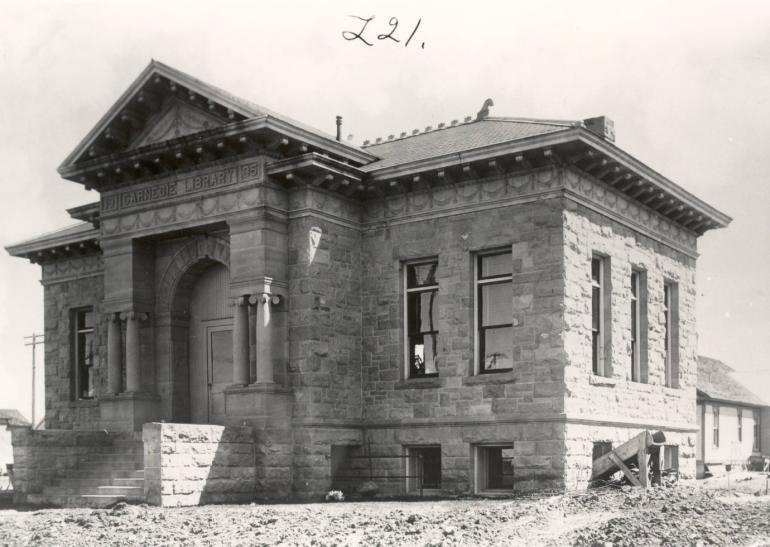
546,121
467,121
416,132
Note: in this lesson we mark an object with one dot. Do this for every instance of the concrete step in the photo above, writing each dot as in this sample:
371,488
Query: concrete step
110,466
129,492
107,473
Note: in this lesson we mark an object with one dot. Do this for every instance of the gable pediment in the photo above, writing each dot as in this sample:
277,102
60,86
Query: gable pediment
160,105
175,120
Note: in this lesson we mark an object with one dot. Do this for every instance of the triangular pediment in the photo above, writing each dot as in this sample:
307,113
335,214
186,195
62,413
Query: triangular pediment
160,105
177,119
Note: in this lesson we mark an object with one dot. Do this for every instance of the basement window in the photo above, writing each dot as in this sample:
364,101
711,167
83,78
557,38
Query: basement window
670,457
423,462
421,309
494,468
600,449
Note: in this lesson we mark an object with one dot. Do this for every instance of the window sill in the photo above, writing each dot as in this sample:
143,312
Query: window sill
506,377
419,383
605,381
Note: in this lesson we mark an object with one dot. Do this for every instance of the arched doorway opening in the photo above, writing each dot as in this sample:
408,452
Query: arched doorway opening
202,342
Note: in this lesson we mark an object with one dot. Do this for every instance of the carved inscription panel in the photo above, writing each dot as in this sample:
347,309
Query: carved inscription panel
181,184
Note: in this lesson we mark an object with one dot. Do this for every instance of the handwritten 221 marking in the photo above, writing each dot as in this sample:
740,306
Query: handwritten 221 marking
351,36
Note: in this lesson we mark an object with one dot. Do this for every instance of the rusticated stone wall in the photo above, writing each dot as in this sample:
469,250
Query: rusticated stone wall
534,387
324,318
191,464
69,284
617,397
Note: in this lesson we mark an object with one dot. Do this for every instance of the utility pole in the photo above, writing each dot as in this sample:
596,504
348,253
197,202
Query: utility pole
34,340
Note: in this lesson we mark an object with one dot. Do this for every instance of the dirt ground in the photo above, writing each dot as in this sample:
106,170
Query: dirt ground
683,515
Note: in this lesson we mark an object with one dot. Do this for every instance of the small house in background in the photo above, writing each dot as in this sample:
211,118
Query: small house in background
8,418
729,419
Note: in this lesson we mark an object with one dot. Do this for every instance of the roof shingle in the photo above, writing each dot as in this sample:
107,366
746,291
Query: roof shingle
459,138
716,382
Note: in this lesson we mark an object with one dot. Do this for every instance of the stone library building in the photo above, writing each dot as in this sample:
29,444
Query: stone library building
257,310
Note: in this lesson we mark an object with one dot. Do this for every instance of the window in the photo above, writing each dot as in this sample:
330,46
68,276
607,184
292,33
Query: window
755,446
83,354
425,462
740,425
422,319
671,333
494,317
636,369
494,468
599,316
671,457
600,449
639,326
716,426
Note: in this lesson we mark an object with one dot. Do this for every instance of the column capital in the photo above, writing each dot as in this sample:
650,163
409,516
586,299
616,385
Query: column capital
240,301
134,315
112,316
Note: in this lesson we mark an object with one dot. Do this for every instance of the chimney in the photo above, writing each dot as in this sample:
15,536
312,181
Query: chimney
602,126
339,128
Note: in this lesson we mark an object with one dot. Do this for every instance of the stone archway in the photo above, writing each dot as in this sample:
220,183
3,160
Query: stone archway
174,292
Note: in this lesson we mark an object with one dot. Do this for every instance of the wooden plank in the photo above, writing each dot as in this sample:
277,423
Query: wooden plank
643,467
625,451
626,471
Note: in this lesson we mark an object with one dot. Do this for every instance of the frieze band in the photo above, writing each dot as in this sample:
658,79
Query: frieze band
183,185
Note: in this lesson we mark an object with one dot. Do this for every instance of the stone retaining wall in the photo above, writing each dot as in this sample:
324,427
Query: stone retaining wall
190,464
44,456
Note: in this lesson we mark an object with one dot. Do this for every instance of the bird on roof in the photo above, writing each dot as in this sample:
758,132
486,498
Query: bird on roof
484,112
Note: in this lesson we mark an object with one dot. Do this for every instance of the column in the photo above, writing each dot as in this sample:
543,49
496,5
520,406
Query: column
264,301
114,354
241,341
133,360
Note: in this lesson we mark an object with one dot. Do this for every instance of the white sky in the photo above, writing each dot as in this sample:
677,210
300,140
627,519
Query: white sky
687,83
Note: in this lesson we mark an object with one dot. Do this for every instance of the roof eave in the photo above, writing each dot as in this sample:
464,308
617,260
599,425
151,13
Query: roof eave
44,243
627,160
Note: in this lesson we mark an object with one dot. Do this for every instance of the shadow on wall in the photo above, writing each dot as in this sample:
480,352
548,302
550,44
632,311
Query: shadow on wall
193,464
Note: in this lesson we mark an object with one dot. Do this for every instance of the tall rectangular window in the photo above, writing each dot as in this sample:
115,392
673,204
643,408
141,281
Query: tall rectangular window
715,426
740,425
636,372
422,318
494,297
755,446
599,315
83,354
671,333
638,326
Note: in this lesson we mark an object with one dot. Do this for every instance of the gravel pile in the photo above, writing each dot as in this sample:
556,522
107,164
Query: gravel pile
659,516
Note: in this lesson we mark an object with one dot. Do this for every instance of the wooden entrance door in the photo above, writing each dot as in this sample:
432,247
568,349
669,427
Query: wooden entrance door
210,345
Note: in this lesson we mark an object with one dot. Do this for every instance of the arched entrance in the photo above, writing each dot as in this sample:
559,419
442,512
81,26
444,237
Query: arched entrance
202,343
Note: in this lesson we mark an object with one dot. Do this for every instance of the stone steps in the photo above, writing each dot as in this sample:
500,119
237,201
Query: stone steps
102,477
